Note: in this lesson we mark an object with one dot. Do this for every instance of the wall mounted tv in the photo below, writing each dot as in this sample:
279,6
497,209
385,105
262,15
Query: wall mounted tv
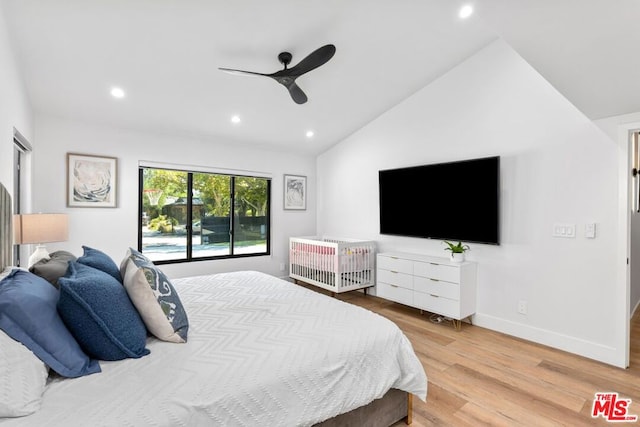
450,201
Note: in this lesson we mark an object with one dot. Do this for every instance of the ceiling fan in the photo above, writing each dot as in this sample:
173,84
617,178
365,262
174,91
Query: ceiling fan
287,76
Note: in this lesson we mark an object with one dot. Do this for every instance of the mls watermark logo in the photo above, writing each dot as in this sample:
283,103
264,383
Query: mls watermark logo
612,408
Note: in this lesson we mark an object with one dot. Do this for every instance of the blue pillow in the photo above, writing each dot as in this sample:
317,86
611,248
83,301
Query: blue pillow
28,314
101,261
98,312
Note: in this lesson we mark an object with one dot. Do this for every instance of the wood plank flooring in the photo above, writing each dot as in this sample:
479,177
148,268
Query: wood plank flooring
477,377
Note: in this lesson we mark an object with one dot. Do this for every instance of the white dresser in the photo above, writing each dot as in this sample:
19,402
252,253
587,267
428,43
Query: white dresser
433,284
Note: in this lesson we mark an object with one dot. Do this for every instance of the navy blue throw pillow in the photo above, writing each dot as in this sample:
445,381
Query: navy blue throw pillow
28,314
103,262
98,312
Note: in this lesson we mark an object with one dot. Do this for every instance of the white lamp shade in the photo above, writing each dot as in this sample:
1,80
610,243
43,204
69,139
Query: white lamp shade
40,228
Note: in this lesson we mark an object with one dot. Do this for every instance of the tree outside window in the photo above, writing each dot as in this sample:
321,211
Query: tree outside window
187,216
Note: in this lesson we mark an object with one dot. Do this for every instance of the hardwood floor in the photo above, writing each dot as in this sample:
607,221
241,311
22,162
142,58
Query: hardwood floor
480,377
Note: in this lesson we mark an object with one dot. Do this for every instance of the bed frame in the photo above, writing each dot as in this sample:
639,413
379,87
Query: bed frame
396,405
333,263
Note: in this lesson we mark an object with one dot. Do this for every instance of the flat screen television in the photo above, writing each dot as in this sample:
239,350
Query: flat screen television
450,201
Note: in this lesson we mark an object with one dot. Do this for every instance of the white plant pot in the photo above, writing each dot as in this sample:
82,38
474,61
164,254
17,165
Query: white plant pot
457,257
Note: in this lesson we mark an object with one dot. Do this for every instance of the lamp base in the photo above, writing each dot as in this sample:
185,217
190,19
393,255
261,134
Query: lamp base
38,254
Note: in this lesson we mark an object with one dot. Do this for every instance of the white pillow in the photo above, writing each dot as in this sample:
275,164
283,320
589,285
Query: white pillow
23,378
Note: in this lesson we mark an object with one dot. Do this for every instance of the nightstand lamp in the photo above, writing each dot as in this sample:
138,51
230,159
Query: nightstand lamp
40,228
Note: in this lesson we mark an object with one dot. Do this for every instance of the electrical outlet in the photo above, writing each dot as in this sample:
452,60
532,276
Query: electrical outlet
522,307
282,266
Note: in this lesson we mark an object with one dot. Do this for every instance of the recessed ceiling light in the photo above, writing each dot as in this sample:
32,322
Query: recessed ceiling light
465,11
235,119
309,133
117,92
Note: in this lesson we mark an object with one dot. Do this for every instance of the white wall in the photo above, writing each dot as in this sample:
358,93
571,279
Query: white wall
113,230
557,167
15,110
611,125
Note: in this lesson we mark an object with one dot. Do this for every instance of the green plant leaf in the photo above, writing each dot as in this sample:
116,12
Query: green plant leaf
457,248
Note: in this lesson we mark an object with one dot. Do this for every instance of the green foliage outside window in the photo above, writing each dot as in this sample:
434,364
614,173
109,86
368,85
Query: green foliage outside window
224,211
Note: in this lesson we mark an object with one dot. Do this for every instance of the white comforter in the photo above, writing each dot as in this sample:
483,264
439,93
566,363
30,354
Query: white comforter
261,352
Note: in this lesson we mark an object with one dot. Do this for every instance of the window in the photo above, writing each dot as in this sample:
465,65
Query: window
191,216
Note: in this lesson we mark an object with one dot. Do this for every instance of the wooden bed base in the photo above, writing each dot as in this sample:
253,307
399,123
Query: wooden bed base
395,405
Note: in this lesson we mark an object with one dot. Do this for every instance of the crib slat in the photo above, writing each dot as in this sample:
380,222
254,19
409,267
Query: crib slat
335,264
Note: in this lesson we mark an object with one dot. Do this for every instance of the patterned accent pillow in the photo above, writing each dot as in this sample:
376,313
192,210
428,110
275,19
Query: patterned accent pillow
103,262
125,261
24,378
155,299
97,310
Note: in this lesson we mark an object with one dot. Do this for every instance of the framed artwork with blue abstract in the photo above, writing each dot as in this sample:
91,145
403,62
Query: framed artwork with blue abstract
91,181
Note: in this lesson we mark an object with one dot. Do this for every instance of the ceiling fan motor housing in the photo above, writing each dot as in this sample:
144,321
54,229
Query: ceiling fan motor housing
285,58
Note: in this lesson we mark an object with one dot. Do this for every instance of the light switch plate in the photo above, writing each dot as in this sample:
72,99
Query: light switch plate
564,230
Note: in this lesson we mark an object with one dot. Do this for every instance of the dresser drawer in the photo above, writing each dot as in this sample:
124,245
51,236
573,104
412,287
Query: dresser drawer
435,304
393,278
395,264
394,293
436,287
433,284
437,271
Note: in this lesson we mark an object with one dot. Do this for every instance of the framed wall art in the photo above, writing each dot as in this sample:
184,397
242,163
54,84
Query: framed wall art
91,181
295,192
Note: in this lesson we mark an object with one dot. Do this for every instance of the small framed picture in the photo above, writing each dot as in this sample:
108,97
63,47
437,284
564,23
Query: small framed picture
295,192
91,181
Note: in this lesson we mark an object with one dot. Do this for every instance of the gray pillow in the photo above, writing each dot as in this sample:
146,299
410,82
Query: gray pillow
54,268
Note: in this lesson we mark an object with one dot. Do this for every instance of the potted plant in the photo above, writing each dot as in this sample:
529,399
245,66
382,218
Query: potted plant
457,250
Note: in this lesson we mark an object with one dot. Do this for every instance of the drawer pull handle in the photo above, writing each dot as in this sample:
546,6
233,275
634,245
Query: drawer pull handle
394,286
434,263
435,296
393,271
434,280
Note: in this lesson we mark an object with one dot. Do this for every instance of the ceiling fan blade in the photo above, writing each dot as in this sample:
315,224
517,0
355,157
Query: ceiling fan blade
287,76
296,93
242,72
315,59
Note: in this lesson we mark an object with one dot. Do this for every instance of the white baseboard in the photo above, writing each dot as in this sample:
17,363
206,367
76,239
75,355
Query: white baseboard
591,350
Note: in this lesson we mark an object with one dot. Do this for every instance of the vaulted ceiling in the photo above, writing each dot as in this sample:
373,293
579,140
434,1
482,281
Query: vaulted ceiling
166,54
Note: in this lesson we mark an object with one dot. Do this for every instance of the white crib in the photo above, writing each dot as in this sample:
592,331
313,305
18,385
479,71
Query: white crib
332,263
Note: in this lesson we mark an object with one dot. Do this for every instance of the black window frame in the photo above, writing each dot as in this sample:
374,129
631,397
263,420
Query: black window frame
189,249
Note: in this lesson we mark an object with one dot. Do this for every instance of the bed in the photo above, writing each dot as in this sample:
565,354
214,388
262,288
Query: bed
335,264
260,351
